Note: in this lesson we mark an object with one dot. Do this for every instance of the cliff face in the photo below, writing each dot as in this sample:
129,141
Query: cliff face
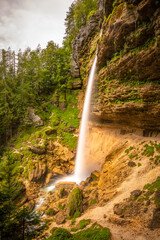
123,136
128,62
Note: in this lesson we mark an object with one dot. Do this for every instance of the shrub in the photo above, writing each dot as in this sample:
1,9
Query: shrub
83,223
60,234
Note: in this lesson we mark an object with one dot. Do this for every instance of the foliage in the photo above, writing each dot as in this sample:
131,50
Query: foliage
75,201
95,232
60,234
33,78
12,216
78,14
83,223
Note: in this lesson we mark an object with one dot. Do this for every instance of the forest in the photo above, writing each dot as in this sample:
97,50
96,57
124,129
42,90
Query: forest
28,79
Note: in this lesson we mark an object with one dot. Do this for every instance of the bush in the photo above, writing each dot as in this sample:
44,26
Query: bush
93,233
96,232
60,234
83,223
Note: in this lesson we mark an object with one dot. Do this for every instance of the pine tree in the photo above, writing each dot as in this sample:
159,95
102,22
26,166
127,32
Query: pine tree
13,216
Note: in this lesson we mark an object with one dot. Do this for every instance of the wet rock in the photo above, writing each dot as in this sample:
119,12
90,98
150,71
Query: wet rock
155,223
131,164
60,218
136,193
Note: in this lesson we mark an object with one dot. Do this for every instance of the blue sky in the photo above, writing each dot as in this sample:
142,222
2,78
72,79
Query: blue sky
26,23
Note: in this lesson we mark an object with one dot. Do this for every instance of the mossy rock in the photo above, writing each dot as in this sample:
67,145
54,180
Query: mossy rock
74,202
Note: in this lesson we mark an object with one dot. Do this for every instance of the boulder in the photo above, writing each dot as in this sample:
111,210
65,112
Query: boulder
34,118
60,218
131,164
51,132
37,150
136,193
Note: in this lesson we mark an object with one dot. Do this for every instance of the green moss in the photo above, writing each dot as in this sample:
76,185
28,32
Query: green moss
83,223
93,201
50,212
129,149
95,232
75,201
60,234
149,150
131,156
60,206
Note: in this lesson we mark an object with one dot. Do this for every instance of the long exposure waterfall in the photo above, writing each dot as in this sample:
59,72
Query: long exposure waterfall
80,169
80,172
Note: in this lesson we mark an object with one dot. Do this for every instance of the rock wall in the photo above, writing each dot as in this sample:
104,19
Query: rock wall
128,62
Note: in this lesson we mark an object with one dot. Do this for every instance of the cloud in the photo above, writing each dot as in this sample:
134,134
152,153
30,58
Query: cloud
27,23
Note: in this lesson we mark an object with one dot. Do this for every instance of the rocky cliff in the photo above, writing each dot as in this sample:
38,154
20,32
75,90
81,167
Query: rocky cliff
123,136
128,62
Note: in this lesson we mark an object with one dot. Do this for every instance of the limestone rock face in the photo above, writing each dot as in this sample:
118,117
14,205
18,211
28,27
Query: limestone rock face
77,84
129,92
38,174
83,36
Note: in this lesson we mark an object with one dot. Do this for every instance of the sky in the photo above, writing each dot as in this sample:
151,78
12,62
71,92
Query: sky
27,23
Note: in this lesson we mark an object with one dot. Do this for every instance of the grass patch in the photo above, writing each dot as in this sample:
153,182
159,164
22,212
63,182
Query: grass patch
95,232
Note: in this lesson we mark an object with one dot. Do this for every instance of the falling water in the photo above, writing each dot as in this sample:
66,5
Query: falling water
80,172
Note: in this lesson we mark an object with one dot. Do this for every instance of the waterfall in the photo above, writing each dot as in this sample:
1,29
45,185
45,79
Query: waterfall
80,170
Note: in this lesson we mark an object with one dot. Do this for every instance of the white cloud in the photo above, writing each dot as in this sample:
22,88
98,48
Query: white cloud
27,23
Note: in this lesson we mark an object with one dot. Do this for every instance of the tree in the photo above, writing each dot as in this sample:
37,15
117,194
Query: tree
12,215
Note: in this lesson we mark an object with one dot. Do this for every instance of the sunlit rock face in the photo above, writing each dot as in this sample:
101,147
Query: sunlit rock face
128,63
